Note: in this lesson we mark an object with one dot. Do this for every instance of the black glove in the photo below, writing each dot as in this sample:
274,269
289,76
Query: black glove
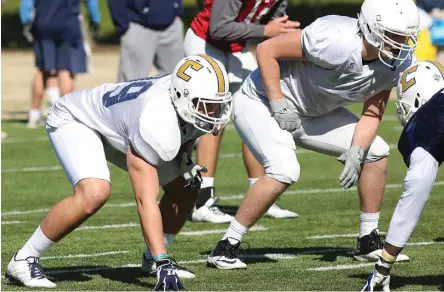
167,278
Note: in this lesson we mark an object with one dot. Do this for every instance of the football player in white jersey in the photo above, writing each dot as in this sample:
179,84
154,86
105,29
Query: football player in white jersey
151,121
297,97
420,110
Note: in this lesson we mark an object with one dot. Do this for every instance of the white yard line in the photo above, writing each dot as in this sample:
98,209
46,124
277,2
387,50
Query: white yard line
333,236
222,198
186,233
341,267
70,256
299,151
218,231
321,191
11,222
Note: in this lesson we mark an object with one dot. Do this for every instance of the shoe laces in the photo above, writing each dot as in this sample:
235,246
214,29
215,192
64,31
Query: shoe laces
213,208
236,250
35,268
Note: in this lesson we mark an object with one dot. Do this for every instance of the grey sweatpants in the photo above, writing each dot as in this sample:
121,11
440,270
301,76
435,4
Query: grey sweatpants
141,47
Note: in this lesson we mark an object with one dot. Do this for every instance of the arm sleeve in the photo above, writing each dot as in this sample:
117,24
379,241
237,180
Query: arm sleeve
322,45
223,25
118,12
93,10
418,184
26,11
145,150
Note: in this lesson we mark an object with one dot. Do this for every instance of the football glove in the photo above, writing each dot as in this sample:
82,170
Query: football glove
167,278
377,280
191,172
287,118
352,160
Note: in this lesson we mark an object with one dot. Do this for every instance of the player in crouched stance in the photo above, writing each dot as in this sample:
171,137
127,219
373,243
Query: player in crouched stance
297,97
154,121
420,110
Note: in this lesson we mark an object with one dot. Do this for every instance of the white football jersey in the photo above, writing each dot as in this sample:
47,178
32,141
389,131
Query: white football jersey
335,74
138,113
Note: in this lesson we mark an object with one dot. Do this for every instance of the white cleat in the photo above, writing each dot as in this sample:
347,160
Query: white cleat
149,266
278,213
376,254
210,213
28,272
225,256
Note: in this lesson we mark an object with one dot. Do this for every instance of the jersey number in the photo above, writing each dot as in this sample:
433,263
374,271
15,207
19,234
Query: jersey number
188,64
143,84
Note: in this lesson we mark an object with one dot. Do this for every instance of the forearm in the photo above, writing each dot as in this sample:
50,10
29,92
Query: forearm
269,68
151,221
365,132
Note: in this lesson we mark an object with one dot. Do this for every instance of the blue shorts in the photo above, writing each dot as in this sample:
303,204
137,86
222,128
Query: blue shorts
60,55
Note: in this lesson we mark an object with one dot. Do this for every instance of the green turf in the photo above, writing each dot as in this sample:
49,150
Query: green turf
320,213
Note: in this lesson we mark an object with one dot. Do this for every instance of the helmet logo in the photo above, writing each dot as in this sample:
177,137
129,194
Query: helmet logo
188,64
407,84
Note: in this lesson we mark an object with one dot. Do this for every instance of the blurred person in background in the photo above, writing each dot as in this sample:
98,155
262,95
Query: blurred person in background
435,18
53,27
221,30
151,32
4,135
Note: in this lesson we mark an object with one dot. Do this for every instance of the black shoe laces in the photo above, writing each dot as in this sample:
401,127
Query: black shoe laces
36,269
234,250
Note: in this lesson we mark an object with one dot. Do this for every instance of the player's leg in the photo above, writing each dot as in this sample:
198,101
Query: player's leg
137,50
44,51
240,65
332,134
418,184
71,60
274,149
208,147
170,49
80,152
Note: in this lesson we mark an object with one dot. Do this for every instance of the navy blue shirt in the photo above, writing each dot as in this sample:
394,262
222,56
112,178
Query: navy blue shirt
154,14
56,19
425,129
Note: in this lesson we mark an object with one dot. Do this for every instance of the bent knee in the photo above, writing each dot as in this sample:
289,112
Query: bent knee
93,193
287,173
378,150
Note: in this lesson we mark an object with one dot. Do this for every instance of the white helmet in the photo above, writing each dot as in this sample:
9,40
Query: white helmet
416,85
379,19
199,91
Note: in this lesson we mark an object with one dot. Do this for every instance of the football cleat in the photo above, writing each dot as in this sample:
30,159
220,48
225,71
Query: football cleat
377,279
369,248
167,278
149,266
209,212
27,272
278,213
225,256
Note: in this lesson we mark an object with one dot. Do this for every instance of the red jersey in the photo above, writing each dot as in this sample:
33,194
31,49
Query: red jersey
252,11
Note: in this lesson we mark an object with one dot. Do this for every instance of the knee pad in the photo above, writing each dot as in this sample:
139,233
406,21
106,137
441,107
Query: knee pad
378,150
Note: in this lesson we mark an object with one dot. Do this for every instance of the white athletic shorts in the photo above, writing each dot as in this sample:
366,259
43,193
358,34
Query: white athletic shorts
238,65
274,148
83,154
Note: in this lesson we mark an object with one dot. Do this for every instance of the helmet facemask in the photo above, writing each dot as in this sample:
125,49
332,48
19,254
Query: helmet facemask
394,47
211,114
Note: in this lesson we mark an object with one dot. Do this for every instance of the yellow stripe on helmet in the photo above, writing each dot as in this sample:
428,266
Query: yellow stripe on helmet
218,70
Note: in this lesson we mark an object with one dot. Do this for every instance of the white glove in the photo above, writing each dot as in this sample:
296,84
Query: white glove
191,171
27,32
352,160
287,118
377,280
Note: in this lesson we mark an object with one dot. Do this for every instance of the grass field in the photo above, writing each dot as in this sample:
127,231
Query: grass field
290,254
